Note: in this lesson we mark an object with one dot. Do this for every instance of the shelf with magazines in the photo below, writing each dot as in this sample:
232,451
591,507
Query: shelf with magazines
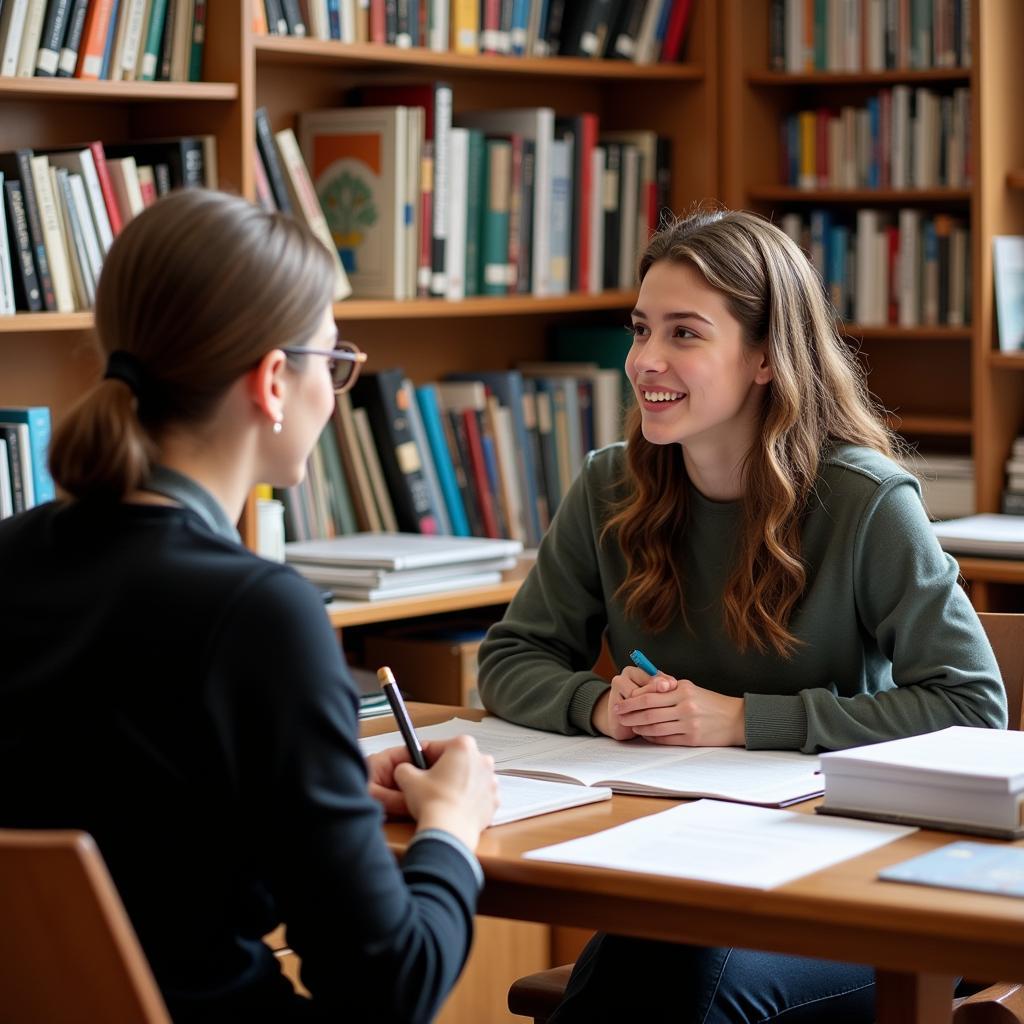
293,51
820,128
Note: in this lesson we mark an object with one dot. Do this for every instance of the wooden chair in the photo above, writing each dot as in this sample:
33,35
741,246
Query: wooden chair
538,995
67,949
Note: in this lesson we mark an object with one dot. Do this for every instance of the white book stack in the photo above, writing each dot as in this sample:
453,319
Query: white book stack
379,566
959,779
947,483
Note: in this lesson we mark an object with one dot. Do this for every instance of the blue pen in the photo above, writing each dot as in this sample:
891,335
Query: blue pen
643,662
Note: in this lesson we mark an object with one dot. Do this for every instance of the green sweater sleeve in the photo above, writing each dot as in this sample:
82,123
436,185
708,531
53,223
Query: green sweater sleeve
535,665
909,600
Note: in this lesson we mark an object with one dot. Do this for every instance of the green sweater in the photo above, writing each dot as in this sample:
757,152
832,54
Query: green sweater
891,645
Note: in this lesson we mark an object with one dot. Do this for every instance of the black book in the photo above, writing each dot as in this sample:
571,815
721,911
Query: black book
552,31
623,36
612,214
27,296
400,458
271,163
527,184
54,27
17,166
166,42
72,39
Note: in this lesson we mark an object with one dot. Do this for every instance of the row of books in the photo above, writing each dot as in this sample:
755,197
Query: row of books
907,269
500,202
643,31
114,40
869,35
902,138
64,207
25,479
489,454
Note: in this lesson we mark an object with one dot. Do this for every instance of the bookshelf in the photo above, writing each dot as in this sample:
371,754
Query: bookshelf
948,388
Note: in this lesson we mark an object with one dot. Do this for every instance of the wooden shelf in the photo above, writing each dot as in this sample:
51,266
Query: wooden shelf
286,49
21,323
74,89
344,614
896,77
991,570
891,332
1006,360
860,196
499,305
937,426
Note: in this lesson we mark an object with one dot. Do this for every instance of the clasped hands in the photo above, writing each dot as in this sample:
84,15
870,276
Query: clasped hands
669,711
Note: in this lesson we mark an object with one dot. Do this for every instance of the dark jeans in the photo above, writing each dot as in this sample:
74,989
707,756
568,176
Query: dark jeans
625,980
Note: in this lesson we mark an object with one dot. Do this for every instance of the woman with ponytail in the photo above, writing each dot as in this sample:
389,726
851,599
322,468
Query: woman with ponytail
185,701
755,538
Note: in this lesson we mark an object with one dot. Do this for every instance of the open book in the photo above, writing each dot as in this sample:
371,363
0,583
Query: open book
771,778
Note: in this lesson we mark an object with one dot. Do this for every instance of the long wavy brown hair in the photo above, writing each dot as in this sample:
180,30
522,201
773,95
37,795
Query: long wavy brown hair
817,397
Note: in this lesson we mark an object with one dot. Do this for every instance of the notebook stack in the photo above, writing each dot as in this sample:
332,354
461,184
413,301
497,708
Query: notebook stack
378,566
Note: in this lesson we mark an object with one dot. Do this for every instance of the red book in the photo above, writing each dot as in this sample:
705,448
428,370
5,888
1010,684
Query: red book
478,467
378,22
675,33
423,270
893,274
94,39
99,158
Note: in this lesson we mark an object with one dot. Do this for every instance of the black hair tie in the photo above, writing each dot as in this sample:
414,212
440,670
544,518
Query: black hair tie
125,367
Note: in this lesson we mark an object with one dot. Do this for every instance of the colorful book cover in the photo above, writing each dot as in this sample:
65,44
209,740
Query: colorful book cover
37,419
356,158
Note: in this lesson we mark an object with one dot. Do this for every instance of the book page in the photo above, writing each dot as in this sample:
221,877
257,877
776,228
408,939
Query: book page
524,798
715,842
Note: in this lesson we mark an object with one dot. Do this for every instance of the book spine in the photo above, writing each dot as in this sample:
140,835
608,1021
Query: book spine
54,28
109,40
458,444
35,229
447,480
15,465
72,39
99,158
26,283
478,467
442,131
268,151
37,420
154,33
195,56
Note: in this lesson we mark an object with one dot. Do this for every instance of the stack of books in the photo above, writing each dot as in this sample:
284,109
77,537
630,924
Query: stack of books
959,779
1013,496
377,566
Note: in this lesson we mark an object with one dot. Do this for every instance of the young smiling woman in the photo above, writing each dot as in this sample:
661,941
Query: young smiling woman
755,537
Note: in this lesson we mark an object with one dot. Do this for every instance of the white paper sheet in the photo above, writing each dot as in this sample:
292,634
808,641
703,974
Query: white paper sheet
753,847
526,798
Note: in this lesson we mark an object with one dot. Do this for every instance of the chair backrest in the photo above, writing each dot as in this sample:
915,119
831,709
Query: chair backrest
1006,635
67,949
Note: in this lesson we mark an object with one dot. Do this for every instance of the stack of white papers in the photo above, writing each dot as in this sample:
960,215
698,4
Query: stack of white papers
375,566
983,535
753,847
774,777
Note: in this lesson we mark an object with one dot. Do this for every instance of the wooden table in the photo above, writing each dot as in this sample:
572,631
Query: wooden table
918,938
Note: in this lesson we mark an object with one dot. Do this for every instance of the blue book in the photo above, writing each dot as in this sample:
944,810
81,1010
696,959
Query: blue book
875,121
838,242
520,16
430,413
979,867
494,482
37,419
334,18
561,216
109,45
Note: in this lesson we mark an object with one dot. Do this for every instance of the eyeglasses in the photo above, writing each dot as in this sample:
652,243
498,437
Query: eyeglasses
344,362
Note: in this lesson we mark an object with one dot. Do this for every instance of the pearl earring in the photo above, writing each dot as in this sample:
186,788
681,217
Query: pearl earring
278,426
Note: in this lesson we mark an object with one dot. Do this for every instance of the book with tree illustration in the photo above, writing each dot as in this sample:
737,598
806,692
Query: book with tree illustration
357,159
